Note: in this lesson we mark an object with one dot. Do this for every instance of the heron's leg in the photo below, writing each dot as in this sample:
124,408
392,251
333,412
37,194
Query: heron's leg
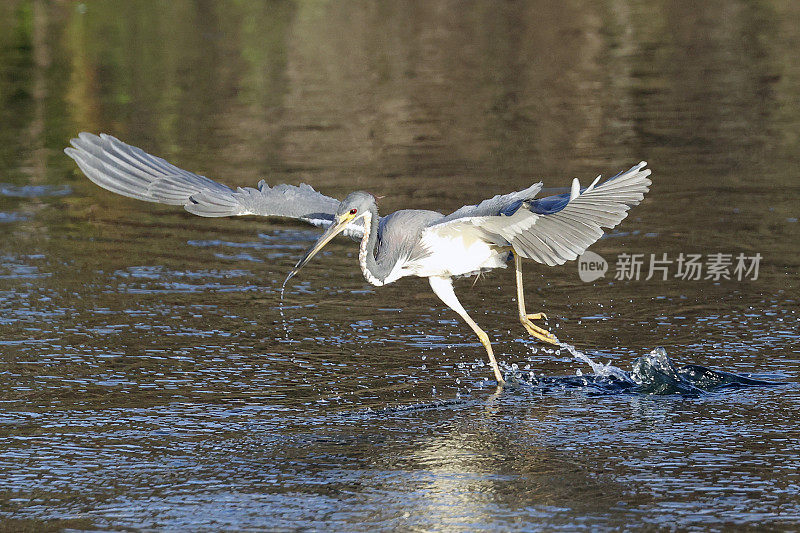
443,287
540,333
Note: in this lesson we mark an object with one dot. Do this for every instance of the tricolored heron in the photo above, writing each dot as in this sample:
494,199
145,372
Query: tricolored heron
410,242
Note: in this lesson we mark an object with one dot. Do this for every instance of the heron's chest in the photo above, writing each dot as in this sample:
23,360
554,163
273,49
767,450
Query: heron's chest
457,255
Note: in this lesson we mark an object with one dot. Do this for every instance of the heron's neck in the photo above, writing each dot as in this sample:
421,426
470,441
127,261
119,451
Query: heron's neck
374,272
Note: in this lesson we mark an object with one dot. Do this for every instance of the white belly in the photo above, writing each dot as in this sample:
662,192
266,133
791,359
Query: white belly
457,255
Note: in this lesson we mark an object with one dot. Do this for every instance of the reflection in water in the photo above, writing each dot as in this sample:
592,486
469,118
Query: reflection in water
145,378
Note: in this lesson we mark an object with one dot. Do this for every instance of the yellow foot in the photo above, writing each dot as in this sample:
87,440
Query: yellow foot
540,333
536,316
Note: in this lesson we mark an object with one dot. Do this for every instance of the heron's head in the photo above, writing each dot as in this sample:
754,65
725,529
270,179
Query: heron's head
357,205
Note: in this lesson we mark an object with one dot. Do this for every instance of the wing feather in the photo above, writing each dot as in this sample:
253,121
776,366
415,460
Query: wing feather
554,229
130,171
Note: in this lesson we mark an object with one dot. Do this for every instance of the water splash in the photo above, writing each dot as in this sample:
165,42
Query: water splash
281,310
601,370
653,373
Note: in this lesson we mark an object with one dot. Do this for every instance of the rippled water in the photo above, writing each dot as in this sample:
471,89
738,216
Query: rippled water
149,381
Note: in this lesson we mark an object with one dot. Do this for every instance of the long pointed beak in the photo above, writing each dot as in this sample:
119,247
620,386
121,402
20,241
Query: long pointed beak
329,234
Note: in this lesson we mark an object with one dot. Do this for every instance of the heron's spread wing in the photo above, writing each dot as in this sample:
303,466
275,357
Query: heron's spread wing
493,206
132,172
554,229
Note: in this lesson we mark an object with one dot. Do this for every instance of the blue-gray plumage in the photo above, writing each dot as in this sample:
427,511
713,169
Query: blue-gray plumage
428,244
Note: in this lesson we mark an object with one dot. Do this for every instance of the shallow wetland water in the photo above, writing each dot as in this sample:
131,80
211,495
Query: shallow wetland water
148,380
